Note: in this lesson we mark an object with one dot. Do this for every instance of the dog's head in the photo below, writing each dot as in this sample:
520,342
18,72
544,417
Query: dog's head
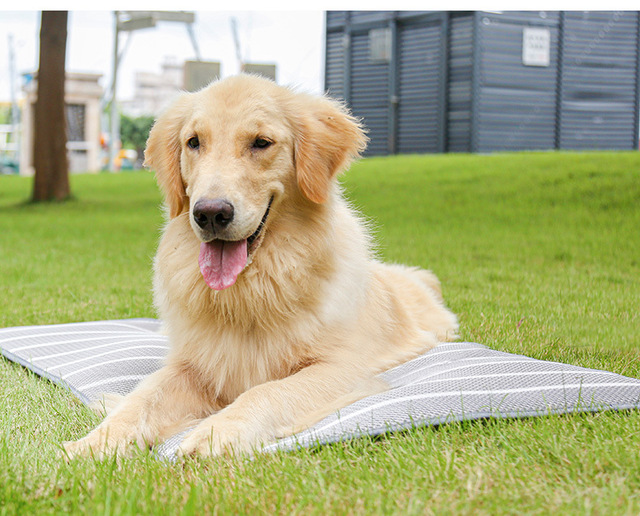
229,153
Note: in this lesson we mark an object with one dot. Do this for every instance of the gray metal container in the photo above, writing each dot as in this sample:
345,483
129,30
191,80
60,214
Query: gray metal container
488,81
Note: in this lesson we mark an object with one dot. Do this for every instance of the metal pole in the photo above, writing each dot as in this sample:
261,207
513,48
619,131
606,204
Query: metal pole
15,112
194,42
236,41
114,120
394,87
557,126
636,133
443,86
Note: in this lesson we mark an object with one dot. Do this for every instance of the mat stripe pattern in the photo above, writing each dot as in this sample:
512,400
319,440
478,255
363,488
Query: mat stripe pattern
453,382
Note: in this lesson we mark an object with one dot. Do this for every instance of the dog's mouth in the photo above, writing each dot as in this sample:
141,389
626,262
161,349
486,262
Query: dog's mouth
254,240
221,261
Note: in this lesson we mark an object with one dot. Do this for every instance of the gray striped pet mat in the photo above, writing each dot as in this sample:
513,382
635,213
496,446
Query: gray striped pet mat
452,382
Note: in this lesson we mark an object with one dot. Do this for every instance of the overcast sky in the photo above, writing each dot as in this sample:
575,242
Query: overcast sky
292,39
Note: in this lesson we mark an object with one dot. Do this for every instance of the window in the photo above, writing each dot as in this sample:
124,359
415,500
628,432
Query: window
75,122
380,45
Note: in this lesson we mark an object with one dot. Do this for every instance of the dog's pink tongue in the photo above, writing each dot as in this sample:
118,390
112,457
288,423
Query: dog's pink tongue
221,262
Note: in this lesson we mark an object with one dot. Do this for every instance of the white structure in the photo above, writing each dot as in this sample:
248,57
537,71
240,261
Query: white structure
82,98
7,145
153,91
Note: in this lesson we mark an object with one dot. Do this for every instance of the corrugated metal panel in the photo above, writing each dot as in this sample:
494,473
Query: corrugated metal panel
524,17
370,16
370,93
586,98
599,81
516,107
336,18
459,83
420,51
405,15
335,62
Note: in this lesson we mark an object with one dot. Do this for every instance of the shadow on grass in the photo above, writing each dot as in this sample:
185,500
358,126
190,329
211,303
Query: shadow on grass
30,205
422,434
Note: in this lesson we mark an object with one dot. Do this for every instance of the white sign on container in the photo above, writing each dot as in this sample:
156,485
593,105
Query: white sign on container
536,46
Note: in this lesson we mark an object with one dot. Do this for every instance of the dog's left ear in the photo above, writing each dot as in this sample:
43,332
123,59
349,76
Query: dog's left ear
163,155
328,139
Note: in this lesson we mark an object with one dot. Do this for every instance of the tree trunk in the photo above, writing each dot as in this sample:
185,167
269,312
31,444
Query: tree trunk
50,141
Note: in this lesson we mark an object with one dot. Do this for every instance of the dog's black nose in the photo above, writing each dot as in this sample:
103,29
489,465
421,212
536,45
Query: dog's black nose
213,214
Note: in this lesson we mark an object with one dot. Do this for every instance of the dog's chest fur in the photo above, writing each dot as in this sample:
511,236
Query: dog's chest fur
278,318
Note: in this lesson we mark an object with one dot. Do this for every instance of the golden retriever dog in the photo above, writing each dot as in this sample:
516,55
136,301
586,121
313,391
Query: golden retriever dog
276,309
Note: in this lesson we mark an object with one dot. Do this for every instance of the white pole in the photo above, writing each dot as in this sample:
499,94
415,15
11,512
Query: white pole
114,117
194,42
15,111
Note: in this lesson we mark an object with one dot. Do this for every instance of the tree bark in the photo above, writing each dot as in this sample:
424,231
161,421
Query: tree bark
50,141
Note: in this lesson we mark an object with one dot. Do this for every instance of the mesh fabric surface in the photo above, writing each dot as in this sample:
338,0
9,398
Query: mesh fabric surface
452,382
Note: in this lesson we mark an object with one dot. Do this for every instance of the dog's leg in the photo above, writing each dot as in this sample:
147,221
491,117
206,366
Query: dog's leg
373,386
106,403
162,403
279,408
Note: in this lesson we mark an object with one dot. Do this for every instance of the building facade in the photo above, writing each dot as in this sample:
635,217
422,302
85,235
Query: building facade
83,94
487,81
153,91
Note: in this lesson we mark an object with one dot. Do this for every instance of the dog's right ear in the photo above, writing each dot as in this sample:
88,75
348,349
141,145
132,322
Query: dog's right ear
163,155
328,138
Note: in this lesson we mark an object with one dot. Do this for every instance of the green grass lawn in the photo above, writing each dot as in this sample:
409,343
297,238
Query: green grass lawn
538,253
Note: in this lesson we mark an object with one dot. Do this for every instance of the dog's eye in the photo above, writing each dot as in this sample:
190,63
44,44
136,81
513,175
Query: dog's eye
193,142
261,143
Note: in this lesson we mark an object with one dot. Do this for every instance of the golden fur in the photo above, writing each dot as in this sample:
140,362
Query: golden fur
313,317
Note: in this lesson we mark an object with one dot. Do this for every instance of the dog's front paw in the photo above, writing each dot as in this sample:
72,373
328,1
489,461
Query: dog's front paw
86,447
219,436
96,445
